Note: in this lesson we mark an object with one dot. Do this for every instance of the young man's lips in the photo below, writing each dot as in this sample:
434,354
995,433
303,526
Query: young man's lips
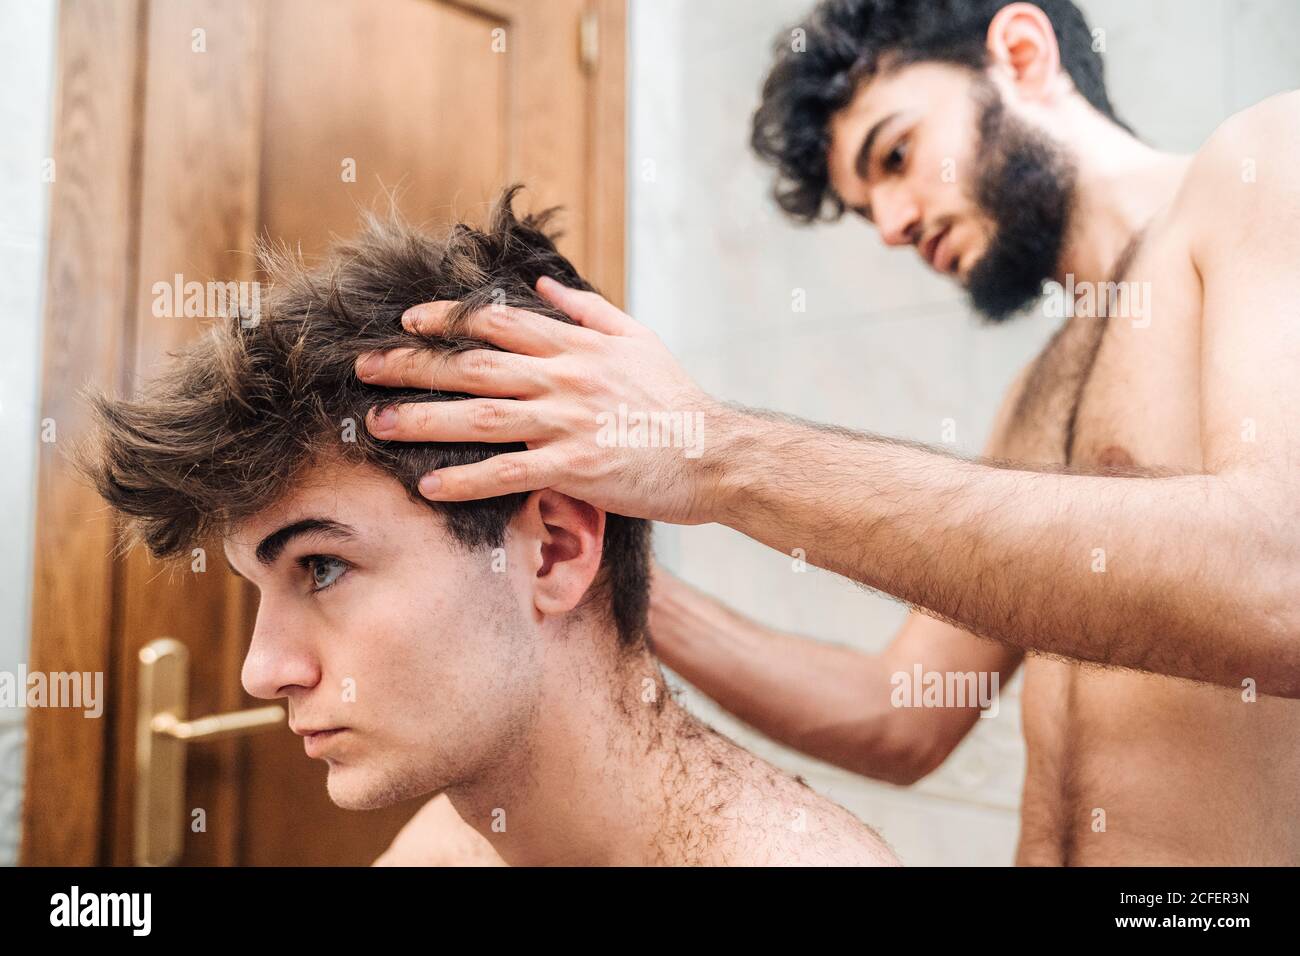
313,741
931,249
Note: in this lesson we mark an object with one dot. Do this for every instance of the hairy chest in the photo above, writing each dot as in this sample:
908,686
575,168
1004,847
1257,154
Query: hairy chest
1118,387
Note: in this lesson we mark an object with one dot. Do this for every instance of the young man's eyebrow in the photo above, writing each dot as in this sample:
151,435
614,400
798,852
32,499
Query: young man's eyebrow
864,154
274,543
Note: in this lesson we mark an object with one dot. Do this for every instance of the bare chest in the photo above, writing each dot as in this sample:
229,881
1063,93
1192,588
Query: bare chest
1117,389
1118,386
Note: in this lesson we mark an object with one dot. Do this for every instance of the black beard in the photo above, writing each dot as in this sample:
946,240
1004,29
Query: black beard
1026,185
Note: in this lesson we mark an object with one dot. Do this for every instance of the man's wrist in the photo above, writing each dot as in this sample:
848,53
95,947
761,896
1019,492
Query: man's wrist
729,445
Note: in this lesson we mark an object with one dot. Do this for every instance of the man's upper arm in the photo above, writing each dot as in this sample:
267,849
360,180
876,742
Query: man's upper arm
1244,188
1243,209
1247,252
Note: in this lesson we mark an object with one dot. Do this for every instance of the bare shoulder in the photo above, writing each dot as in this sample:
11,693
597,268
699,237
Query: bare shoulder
1248,169
1273,124
774,819
820,832
437,836
796,826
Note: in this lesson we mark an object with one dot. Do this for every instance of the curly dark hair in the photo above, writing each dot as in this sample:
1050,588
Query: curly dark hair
846,41
223,431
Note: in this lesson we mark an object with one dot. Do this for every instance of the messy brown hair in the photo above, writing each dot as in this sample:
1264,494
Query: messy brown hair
221,434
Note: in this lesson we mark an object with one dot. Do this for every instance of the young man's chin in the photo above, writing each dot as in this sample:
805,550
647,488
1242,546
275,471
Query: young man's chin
351,787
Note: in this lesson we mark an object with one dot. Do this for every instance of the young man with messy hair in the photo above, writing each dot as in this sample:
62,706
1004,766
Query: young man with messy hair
497,648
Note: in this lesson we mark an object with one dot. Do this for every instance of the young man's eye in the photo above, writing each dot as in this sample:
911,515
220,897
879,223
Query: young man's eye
895,158
322,570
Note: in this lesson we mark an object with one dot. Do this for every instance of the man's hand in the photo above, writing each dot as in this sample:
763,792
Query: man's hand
596,403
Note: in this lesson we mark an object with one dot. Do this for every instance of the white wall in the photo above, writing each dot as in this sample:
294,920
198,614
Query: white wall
27,45
884,345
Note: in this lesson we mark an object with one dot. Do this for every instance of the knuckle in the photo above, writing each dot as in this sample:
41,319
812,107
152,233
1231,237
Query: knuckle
486,417
512,471
479,363
416,418
407,366
493,320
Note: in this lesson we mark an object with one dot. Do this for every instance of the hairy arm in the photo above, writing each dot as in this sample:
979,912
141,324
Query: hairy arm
831,702
1187,589
1202,571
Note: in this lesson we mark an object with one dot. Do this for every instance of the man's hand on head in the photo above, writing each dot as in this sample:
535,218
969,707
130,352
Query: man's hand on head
607,413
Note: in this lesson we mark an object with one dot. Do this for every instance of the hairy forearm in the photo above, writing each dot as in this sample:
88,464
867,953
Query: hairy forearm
1183,575
830,702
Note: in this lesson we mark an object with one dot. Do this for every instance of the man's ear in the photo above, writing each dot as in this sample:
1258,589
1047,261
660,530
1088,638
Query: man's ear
566,540
1022,46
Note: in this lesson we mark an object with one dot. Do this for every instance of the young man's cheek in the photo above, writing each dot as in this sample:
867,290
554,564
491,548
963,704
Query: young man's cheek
394,649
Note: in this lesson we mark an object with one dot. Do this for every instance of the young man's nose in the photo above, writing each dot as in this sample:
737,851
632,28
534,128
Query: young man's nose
896,215
277,661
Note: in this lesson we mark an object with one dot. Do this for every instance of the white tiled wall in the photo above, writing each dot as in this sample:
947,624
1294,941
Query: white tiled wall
883,345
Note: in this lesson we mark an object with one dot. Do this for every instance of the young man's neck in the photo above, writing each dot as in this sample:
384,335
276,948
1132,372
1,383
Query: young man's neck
1122,185
609,770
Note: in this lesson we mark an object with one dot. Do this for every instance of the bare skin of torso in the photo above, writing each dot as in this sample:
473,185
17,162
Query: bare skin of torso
1127,768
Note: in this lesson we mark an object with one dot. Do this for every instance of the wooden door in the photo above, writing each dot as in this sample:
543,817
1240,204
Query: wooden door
185,128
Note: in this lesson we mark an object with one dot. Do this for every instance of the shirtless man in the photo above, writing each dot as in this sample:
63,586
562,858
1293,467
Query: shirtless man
492,652
1139,507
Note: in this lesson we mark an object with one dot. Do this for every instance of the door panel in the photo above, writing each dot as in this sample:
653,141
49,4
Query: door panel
416,101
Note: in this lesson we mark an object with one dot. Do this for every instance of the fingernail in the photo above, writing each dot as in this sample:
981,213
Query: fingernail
429,485
383,420
369,365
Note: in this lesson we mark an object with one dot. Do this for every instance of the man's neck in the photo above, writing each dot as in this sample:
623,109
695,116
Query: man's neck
1122,185
611,762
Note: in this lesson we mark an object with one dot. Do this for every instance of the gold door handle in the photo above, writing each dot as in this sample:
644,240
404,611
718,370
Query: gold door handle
162,734
219,725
